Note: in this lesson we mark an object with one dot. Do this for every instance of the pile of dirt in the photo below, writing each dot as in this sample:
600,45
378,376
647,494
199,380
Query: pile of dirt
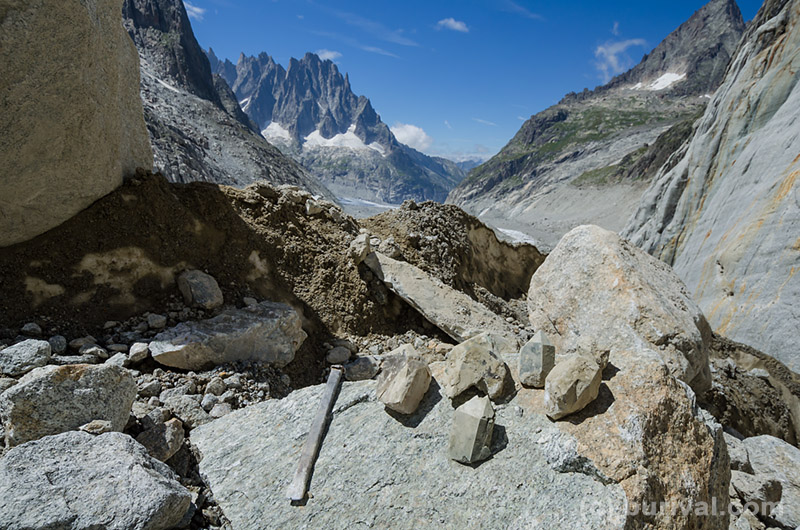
120,257
456,247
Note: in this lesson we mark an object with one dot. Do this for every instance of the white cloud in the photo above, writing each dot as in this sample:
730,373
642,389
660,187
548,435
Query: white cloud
451,23
412,136
612,59
484,122
615,29
518,9
194,12
522,118
448,124
328,54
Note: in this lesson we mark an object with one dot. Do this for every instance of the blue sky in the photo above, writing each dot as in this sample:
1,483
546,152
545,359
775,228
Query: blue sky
453,78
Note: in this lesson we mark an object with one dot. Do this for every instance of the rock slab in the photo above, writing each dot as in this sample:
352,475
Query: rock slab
75,480
55,399
72,125
450,310
377,471
266,332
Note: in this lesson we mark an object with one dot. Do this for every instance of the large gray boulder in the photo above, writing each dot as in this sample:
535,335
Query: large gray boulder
773,459
266,332
72,124
78,481
55,399
597,287
23,357
448,309
379,471
727,215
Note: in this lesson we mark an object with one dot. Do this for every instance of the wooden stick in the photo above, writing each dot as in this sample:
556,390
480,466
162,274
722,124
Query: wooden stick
299,486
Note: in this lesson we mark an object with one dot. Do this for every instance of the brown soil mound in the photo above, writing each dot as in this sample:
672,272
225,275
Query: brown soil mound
120,257
447,242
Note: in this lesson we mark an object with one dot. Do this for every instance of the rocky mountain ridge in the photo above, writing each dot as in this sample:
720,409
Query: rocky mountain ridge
310,111
562,168
196,127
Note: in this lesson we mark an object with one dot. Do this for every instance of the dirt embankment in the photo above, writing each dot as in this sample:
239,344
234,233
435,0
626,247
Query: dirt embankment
120,257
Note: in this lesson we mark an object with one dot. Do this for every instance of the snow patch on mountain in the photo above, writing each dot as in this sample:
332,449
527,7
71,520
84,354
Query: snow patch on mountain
347,139
662,83
274,131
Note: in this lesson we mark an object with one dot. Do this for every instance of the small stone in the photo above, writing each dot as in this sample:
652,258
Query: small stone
338,355
151,389
220,410
97,427
93,349
180,390
208,402
249,301
536,358
313,207
389,248
156,321
234,381
58,344
64,360
359,248
118,348
77,344
229,396
216,386
138,352
23,357
571,386
32,329
110,324
119,359
141,327
471,434
404,381
477,362
163,440
187,410
200,290
362,368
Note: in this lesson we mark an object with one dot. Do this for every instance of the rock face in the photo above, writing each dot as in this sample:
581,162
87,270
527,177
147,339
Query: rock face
595,286
573,384
375,470
471,434
596,292
266,332
310,112
72,125
588,159
477,362
727,216
76,480
450,310
194,136
23,357
55,399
